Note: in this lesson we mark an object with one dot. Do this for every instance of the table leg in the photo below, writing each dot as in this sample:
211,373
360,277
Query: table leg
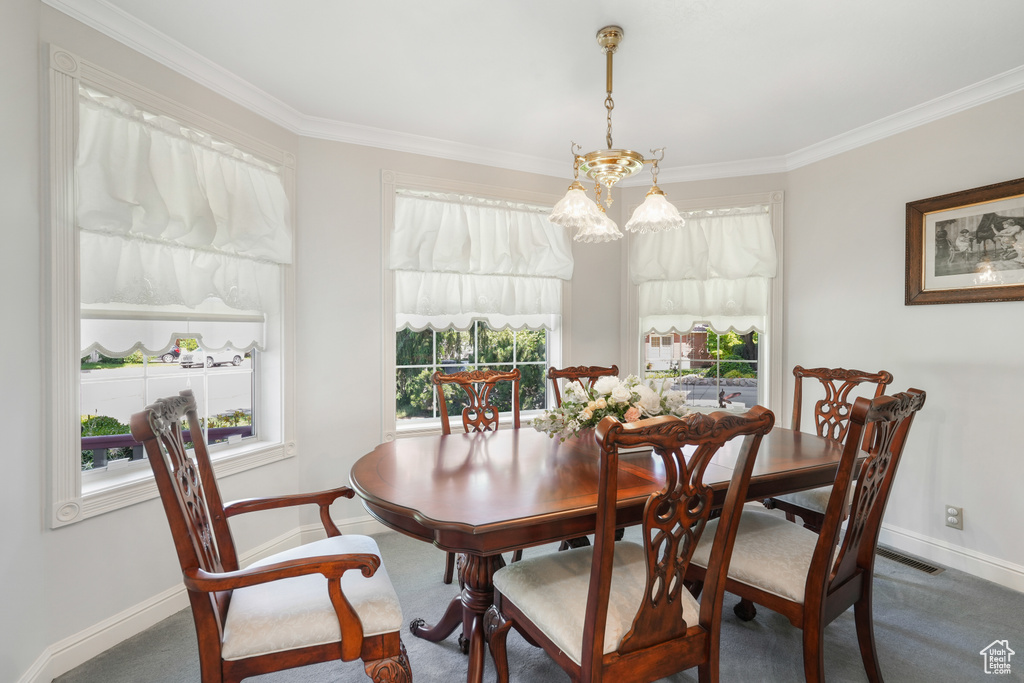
475,575
443,628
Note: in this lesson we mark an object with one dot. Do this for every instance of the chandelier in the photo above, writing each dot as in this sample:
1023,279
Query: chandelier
577,211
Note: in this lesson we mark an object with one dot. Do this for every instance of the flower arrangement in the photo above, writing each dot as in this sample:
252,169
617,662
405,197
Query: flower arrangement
626,400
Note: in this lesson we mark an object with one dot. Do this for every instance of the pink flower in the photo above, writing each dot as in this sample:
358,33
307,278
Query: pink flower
632,415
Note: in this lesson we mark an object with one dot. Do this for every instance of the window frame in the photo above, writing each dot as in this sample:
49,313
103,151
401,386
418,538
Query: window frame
391,181
770,385
72,497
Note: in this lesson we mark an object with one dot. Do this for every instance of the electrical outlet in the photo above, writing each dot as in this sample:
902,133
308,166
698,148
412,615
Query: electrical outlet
954,517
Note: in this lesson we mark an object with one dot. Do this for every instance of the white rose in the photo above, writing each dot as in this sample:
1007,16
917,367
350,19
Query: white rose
649,401
575,393
675,399
621,394
604,385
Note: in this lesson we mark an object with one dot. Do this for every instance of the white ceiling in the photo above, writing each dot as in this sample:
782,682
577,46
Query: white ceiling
728,87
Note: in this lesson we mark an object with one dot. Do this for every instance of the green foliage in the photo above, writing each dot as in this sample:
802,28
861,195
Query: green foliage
234,419
414,393
188,344
103,425
493,349
734,369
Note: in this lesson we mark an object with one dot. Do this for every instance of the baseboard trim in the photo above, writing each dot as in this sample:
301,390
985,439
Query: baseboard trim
79,648
365,525
955,557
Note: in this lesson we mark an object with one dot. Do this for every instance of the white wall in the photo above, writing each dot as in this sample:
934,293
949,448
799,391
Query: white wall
845,232
58,585
21,594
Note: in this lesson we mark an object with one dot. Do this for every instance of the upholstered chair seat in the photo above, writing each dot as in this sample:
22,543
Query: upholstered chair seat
771,553
291,613
813,499
551,590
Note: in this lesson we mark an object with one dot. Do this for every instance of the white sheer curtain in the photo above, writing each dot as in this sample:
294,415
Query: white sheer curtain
458,258
715,269
174,221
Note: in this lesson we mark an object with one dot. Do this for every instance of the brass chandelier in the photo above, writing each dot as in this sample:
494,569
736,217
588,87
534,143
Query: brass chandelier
576,211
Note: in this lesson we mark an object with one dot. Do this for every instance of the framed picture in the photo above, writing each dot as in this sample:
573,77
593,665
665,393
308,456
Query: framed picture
967,246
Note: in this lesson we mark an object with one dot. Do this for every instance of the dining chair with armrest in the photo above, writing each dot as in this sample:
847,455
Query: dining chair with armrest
584,375
831,420
620,611
802,574
326,600
479,415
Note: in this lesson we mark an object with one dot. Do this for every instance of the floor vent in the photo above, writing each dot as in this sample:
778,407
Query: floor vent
911,562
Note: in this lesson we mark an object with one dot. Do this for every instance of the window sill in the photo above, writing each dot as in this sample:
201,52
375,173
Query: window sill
112,490
427,427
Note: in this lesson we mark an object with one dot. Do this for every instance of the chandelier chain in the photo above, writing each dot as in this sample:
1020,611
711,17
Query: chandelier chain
609,104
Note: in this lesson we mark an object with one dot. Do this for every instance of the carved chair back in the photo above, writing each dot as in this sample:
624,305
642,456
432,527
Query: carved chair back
190,496
583,374
674,519
832,413
480,414
888,418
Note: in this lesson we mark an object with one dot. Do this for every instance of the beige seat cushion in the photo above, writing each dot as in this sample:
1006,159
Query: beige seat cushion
297,612
814,499
770,553
552,591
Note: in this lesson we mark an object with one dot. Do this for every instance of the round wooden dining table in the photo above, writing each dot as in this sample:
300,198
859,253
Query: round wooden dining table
486,493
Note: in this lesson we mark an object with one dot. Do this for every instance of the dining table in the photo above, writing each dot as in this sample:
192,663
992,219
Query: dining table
485,493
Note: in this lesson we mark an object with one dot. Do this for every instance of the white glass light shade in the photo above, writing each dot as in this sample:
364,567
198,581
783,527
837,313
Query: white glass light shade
655,214
604,230
576,211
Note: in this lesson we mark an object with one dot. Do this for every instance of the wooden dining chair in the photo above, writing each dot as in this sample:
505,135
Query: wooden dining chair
801,574
831,420
619,611
479,415
326,600
583,374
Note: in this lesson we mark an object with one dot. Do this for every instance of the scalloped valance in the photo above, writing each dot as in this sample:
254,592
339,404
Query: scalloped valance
459,258
715,269
182,235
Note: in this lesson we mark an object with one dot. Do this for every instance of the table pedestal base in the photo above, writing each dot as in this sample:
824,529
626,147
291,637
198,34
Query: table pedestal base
469,608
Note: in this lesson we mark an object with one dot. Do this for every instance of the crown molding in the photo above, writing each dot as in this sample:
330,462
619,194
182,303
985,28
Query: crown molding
957,101
122,27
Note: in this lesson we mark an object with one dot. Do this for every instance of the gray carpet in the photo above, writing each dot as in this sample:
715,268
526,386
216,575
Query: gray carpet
929,629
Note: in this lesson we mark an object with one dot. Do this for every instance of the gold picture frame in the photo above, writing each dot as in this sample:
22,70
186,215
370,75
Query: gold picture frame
967,246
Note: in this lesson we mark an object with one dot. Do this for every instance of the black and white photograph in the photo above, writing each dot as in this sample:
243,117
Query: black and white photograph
967,246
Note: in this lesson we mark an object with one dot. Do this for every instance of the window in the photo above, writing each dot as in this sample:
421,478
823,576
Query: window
473,280
705,299
169,252
111,389
418,355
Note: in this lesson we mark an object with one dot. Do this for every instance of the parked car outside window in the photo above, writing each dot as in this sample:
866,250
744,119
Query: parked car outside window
201,357
172,355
